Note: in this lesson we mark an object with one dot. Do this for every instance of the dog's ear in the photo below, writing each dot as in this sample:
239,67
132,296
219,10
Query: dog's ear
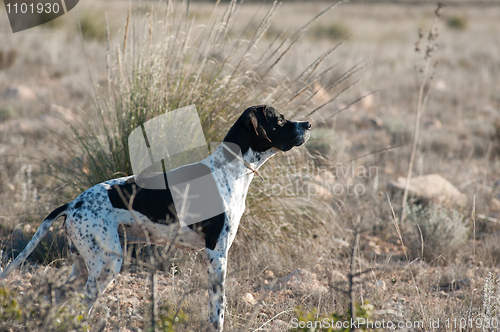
253,122
264,112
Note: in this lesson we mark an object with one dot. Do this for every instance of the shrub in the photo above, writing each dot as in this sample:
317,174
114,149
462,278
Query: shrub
442,230
440,142
457,22
93,25
6,112
9,307
489,250
169,318
34,312
333,31
399,130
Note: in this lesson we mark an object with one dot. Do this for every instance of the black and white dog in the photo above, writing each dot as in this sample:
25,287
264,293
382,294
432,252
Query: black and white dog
98,219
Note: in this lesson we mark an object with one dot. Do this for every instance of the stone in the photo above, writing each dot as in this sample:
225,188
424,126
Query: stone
432,124
248,299
302,280
380,284
431,188
367,102
20,91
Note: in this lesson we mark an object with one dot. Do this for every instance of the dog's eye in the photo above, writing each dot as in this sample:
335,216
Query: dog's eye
281,122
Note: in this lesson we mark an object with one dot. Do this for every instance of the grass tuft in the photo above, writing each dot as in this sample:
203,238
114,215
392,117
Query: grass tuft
443,231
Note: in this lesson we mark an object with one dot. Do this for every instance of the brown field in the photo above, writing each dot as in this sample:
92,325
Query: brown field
440,263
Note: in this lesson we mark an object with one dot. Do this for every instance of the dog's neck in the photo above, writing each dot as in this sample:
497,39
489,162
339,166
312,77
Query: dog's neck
256,159
243,165
233,178
234,170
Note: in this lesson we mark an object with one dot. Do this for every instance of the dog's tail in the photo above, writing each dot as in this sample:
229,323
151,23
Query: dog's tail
40,233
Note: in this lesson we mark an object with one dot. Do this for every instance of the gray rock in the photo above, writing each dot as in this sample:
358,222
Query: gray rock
431,188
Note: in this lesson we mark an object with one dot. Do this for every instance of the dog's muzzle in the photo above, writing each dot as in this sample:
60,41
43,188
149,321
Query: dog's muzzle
302,130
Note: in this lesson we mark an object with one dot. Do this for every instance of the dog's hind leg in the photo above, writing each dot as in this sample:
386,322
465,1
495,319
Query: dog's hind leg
101,250
103,266
76,281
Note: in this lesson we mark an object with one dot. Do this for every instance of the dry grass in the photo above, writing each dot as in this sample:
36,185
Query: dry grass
279,232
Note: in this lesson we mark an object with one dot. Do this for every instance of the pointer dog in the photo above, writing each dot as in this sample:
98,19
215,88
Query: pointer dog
98,219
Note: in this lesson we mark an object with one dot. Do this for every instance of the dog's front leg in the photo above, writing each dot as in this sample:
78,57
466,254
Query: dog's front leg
217,264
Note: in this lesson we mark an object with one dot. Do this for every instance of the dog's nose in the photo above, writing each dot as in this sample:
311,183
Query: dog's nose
306,125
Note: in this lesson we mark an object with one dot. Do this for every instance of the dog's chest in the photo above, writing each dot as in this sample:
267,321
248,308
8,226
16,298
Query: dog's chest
236,200
232,183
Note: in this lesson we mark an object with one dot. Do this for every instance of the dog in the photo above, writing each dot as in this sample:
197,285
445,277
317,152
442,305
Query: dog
97,221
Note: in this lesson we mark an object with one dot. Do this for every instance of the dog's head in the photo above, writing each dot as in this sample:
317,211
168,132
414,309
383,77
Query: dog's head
262,128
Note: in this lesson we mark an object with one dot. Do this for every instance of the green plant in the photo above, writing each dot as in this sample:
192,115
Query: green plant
169,318
457,22
310,321
9,307
6,112
39,313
